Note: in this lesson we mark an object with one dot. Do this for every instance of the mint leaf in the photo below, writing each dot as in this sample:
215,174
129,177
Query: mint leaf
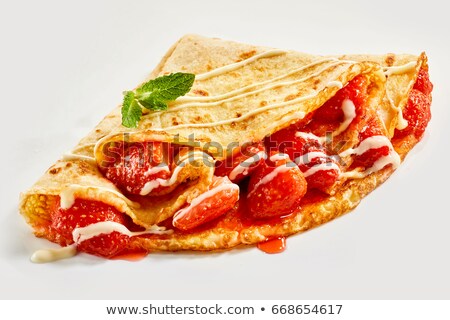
153,103
131,110
155,93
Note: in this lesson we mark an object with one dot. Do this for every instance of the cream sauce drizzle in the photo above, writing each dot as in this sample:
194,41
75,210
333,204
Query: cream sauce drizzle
257,84
337,84
242,118
373,142
404,68
279,156
348,107
156,169
321,167
231,97
68,156
237,65
50,255
191,156
244,166
272,175
208,194
107,227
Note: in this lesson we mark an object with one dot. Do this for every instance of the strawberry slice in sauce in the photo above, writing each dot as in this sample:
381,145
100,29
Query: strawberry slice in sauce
289,142
330,115
131,165
242,163
417,110
321,171
220,198
417,113
275,189
423,83
306,150
368,158
84,213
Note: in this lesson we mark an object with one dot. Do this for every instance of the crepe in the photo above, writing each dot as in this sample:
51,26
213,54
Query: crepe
242,93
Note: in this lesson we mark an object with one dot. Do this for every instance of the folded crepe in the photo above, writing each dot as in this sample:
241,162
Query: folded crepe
242,94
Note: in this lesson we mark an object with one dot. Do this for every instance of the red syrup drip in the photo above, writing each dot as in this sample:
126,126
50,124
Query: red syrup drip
274,245
131,256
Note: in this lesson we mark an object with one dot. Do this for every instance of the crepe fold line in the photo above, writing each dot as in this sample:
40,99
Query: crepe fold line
260,106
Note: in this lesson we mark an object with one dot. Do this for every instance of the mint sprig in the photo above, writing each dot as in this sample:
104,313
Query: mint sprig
154,95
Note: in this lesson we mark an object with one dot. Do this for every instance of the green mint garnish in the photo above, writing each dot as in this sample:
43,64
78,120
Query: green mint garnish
154,95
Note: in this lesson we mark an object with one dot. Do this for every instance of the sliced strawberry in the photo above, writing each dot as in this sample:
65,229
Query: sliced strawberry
324,178
220,198
242,163
105,245
423,83
84,213
368,158
329,116
275,189
289,142
132,165
299,146
417,113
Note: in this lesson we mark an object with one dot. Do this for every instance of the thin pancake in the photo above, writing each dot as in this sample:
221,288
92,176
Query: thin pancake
272,99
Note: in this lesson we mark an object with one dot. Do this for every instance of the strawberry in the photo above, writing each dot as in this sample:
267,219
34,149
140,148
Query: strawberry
290,142
287,141
202,210
417,113
423,83
229,166
84,213
322,179
131,165
275,193
368,158
355,90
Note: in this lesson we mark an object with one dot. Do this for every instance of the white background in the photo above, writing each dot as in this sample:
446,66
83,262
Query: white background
63,66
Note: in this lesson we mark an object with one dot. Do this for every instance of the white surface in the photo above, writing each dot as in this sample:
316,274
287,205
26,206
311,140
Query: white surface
63,67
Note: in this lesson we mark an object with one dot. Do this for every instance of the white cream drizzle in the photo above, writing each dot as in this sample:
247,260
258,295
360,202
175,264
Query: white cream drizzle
388,71
107,227
154,170
84,233
68,156
269,177
348,107
191,156
244,166
50,255
242,118
208,194
373,142
231,96
257,84
279,156
337,84
321,167
237,65
67,195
